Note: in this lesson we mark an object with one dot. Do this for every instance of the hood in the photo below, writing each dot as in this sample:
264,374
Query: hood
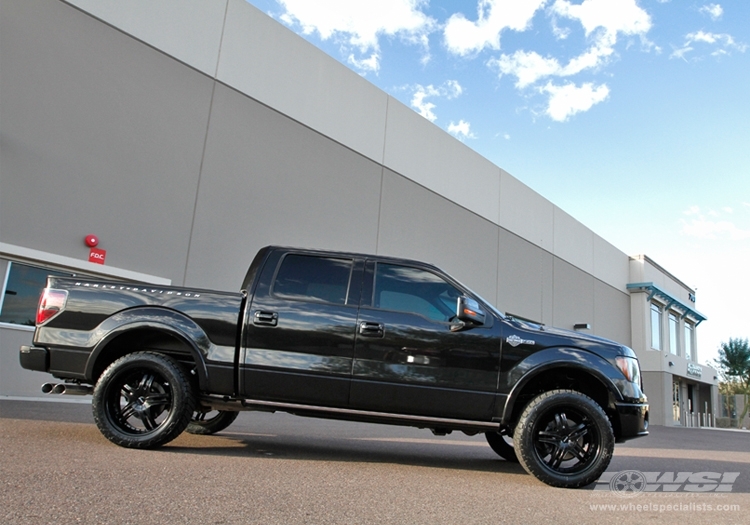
573,338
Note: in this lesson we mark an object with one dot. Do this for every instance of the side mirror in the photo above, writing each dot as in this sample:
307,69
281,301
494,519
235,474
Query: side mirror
468,313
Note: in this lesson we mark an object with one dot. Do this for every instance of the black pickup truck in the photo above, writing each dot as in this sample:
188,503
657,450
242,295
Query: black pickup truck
345,336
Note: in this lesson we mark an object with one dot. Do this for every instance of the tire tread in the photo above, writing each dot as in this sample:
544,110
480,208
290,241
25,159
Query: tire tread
182,393
525,449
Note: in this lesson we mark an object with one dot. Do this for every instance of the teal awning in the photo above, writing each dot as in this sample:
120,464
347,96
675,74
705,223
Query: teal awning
669,299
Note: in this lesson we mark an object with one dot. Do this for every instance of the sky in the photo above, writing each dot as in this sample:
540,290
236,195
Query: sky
633,116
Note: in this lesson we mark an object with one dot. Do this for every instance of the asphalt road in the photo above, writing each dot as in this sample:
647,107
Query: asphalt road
55,467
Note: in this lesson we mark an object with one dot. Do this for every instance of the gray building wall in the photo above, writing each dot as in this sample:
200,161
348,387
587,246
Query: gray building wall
188,134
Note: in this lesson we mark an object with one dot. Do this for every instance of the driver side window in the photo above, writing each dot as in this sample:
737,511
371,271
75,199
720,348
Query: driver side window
413,290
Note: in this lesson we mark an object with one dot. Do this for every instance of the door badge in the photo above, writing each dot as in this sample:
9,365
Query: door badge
515,341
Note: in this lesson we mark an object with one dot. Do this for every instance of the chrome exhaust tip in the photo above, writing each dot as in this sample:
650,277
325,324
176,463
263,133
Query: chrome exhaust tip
48,388
71,389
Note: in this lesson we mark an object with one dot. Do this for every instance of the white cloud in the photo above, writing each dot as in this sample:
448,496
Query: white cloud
704,228
593,58
461,131
419,103
527,67
611,16
722,41
561,33
710,225
680,53
568,99
530,67
709,38
603,21
371,63
359,25
712,10
448,90
453,89
464,37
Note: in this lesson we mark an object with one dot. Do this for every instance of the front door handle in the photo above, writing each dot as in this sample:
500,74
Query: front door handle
371,329
261,317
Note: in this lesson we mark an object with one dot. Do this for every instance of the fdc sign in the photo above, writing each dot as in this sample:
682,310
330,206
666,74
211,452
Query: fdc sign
97,256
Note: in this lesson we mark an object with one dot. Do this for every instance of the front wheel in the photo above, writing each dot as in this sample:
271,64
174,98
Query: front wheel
143,400
564,439
210,422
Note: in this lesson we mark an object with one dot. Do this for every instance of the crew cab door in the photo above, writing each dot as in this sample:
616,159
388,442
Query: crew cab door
408,360
300,329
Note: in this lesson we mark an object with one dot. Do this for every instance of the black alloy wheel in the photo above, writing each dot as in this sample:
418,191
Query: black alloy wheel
143,400
564,439
206,422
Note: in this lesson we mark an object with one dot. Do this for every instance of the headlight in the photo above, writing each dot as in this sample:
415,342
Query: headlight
629,368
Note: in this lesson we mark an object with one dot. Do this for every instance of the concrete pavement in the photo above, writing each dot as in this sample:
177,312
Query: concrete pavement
278,468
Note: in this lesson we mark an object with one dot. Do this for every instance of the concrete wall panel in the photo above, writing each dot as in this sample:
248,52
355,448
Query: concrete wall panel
419,224
658,389
421,151
524,278
189,30
573,242
611,313
610,264
525,212
100,134
574,296
268,180
266,61
14,380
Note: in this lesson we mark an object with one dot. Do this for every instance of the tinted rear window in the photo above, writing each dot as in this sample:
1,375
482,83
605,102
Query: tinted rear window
313,278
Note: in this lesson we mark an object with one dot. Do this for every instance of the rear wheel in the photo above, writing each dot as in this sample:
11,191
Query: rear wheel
502,445
143,400
211,421
564,439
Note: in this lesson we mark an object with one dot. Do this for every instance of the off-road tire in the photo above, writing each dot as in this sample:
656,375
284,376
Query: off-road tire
564,439
143,400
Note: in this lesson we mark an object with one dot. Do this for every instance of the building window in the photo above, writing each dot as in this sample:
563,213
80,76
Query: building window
21,289
655,326
673,325
689,341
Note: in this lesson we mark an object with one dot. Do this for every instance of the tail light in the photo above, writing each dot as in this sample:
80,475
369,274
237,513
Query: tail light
51,303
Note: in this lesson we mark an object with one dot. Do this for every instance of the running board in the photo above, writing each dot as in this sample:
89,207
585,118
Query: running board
220,403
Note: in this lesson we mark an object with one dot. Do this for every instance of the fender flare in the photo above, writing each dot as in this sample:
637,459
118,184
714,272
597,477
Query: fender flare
559,358
169,322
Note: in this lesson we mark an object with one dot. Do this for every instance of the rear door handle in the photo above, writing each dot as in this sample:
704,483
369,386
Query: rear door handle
371,329
261,317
